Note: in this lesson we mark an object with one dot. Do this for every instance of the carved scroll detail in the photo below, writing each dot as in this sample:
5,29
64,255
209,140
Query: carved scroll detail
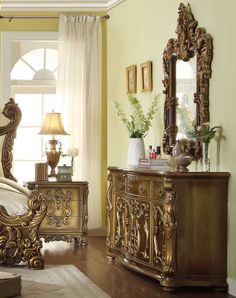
191,40
85,214
19,239
80,240
136,220
142,229
109,210
158,237
12,112
119,214
59,209
169,225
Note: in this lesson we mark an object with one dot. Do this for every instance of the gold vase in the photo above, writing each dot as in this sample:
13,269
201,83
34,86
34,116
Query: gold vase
53,156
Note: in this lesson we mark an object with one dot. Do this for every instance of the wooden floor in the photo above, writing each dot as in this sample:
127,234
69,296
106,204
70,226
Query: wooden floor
114,278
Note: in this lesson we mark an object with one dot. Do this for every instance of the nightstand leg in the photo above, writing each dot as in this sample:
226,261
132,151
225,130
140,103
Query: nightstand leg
80,241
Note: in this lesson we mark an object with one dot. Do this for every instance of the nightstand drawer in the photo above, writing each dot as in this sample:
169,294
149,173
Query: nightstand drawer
60,194
137,186
64,208
61,223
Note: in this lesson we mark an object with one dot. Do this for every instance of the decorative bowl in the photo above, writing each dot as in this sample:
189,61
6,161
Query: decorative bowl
182,161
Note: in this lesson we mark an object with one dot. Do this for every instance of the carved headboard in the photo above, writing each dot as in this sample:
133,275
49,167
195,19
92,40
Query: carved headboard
7,135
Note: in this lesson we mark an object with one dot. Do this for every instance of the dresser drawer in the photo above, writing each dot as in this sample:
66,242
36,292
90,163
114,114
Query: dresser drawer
119,183
158,190
137,185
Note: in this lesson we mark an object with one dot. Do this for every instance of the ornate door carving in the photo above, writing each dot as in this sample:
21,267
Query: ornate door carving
137,229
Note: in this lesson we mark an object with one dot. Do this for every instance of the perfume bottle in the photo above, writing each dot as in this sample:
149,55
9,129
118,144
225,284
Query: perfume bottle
150,151
153,154
158,152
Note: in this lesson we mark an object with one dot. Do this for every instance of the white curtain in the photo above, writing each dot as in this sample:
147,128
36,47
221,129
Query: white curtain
79,88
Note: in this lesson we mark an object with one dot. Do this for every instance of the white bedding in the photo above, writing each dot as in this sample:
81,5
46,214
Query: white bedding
13,197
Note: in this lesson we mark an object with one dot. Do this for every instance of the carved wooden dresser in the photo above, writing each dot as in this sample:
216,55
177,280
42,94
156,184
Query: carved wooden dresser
67,213
170,226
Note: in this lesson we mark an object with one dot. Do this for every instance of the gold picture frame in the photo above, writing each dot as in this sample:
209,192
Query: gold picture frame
131,79
146,76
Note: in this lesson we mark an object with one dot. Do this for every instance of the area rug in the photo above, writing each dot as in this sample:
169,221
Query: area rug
57,281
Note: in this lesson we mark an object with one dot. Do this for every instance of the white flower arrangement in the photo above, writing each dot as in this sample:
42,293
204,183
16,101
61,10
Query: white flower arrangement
139,124
72,152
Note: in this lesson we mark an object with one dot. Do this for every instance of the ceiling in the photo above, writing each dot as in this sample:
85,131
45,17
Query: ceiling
61,5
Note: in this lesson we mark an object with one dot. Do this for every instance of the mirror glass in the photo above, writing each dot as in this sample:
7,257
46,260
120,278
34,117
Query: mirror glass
185,90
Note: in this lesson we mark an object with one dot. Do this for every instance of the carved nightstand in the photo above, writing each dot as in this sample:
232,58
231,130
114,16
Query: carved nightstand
67,213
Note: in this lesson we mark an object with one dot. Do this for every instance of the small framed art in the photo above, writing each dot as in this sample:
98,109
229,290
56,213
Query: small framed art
131,79
146,76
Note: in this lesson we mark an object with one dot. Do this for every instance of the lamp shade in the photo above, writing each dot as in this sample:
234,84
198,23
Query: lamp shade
52,125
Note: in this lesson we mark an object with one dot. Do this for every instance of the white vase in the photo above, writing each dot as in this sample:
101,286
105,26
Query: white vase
136,151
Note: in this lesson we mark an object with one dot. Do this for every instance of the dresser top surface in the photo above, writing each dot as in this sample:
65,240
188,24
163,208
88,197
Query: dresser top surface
170,173
57,183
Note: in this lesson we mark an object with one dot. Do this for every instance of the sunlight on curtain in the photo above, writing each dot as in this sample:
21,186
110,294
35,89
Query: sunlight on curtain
79,87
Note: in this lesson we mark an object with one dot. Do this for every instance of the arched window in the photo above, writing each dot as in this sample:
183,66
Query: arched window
33,86
39,64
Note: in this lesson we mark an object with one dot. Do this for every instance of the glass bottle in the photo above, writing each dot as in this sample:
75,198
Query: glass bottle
150,151
158,152
205,157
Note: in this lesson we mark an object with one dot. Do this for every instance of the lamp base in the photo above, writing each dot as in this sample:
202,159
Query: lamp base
52,173
53,157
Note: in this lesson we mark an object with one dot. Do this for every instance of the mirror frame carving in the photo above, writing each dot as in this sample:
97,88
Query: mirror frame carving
191,40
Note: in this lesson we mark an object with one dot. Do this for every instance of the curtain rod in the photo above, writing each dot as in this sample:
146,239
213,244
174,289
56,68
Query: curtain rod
106,17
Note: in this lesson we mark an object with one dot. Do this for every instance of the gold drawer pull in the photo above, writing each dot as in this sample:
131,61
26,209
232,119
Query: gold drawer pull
122,186
143,191
129,187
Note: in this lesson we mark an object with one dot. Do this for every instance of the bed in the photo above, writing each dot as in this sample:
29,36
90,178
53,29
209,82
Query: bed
21,211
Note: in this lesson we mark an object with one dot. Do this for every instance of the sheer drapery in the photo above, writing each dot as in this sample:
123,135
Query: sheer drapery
79,88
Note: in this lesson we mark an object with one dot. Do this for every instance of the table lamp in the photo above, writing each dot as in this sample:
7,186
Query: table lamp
52,125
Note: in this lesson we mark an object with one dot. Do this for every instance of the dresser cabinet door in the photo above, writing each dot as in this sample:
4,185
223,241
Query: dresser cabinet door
158,244
137,229
158,239
164,225
115,211
119,214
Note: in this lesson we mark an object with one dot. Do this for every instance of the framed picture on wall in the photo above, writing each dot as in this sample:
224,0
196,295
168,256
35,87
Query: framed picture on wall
131,79
146,76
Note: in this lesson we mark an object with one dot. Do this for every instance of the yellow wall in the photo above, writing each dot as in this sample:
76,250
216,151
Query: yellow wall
52,25
138,31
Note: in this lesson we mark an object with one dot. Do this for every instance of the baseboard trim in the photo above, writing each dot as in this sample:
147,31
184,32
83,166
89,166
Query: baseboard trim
232,286
97,232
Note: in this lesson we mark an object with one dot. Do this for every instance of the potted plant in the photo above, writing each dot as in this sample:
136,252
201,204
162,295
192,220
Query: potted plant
138,125
206,134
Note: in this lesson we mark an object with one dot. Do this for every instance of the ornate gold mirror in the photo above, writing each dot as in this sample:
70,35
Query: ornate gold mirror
187,70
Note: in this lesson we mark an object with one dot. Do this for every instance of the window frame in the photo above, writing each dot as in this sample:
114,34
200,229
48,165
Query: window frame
6,39
11,87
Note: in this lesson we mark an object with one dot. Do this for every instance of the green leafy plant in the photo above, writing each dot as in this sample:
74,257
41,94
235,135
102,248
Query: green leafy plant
138,124
186,126
206,133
